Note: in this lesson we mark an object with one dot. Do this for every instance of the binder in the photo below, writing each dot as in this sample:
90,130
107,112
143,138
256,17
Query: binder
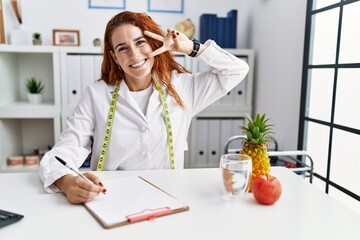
130,200
227,32
222,30
220,35
204,27
239,93
236,123
232,16
226,132
201,142
87,71
74,79
214,144
97,66
228,99
229,128
208,28
240,90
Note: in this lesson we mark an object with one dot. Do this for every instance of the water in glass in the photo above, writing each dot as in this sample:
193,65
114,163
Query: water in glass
236,173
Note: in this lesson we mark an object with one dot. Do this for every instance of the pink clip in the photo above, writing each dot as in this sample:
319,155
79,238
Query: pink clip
149,214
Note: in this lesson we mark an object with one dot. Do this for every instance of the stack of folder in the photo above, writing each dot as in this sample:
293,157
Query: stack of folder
222,30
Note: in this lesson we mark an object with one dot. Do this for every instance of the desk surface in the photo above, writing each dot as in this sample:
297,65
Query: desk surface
302,212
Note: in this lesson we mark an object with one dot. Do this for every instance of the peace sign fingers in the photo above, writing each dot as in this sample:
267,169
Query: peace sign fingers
168,43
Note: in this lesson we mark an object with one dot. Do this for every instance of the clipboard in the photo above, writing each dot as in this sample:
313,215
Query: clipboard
130,200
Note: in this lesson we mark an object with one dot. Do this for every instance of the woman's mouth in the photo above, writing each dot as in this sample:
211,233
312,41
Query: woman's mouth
138,64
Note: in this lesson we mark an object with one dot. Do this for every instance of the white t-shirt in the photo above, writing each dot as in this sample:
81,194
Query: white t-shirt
142,98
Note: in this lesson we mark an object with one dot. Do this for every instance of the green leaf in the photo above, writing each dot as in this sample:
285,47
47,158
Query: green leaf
249,135
34,85
256,132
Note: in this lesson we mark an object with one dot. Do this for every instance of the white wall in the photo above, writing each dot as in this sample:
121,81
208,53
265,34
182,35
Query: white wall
45,15
278,29
274,28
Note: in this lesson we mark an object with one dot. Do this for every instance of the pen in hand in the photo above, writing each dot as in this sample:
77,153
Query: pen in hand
75,171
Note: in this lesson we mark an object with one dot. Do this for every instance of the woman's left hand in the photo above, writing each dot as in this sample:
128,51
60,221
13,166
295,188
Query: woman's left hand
173,41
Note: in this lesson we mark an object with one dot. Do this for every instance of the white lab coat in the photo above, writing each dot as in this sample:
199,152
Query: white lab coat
139,141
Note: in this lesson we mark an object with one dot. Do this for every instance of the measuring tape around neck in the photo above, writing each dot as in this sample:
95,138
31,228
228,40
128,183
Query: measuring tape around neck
109,124
167,122
110,120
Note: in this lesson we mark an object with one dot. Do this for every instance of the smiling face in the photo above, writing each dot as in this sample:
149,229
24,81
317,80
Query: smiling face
131,51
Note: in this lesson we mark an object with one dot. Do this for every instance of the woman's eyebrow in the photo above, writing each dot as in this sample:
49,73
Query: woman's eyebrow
138,38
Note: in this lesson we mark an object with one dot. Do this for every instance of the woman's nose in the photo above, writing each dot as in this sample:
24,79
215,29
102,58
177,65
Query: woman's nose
134,53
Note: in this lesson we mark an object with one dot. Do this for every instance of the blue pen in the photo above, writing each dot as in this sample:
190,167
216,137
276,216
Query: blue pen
75,171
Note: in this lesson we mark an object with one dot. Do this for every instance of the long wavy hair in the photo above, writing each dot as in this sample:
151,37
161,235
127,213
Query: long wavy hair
163,63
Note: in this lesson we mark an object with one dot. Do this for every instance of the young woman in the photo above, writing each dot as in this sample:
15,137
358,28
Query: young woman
138,114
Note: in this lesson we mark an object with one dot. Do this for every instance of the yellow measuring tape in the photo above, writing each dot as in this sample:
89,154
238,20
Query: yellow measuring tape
167,122
109,124
110,120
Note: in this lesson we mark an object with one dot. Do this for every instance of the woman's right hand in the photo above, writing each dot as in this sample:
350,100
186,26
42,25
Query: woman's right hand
78,190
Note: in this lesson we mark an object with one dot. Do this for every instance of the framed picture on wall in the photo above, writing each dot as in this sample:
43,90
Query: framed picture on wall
167,6
2,27
107,4
63,37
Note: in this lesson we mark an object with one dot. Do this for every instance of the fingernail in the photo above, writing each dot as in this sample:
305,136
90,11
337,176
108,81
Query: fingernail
104,191
177,33
174,36
173,31
100,184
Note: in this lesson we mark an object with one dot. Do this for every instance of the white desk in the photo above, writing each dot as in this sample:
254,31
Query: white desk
303,211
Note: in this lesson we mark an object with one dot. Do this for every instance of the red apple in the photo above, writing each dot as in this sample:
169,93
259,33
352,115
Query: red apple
266,189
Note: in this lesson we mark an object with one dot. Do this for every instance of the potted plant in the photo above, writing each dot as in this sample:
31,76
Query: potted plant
36,38
35,88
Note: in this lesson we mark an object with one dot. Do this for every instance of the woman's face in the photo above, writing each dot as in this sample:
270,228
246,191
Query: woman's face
131,51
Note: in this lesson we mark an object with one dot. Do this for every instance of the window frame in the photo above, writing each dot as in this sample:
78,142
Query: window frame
302,136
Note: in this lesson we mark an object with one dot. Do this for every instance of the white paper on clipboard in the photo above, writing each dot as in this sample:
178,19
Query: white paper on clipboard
129,195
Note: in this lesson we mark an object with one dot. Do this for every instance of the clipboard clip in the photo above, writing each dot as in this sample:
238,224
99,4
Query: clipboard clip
148,214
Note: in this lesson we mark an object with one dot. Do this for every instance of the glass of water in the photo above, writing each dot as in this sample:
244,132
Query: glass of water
236,173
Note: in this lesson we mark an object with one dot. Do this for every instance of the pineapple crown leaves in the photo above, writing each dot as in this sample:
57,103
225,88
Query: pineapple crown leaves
34,86
258,130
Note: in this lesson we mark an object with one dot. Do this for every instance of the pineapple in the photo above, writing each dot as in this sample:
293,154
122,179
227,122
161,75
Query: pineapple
256,143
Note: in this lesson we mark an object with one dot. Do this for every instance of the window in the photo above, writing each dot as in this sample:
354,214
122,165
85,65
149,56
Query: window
330,99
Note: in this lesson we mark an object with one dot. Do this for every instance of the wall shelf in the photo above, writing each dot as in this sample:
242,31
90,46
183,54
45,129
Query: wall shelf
24,126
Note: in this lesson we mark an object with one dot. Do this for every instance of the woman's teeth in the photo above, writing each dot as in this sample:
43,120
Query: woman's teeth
138,64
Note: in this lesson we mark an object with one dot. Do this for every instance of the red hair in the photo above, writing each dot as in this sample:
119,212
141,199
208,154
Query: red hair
163,63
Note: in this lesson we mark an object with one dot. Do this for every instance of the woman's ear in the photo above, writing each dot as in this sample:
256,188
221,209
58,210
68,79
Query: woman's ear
114,57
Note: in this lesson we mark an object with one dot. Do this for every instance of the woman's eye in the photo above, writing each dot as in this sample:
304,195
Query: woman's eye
141,42
121,49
